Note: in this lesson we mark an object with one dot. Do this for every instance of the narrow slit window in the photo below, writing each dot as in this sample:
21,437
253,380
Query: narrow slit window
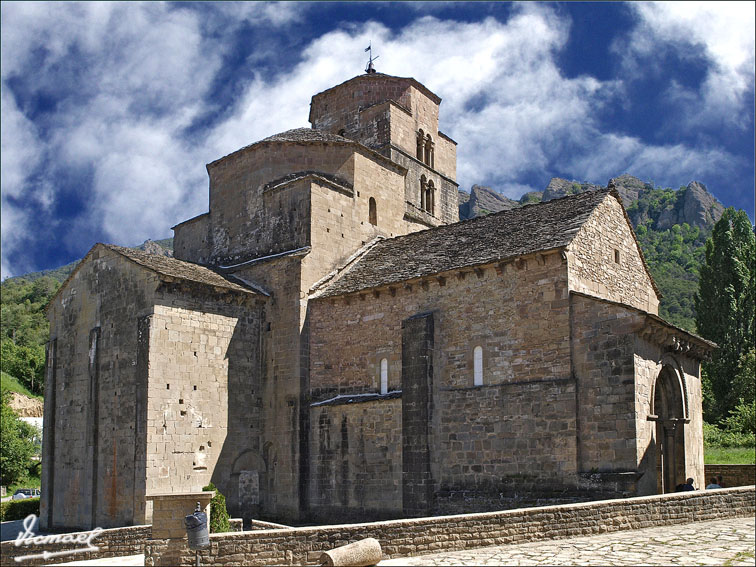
478,366
372,212
384,376
616,256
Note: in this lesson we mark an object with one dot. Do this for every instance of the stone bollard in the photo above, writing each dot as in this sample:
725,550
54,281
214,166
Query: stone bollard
358,554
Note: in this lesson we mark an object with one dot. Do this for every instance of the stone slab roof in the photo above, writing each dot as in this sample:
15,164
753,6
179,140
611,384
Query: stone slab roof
482,240
305,135
310,135
179,269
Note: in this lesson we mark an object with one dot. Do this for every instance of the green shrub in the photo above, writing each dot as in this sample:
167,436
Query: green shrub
742,419
18,509
218,513
716,437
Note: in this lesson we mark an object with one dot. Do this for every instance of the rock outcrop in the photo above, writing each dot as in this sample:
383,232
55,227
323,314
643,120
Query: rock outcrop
630,188
558,188
483,201
152,247
24,406
692,204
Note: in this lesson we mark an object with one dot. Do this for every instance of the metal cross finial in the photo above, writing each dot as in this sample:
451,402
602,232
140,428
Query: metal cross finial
370,68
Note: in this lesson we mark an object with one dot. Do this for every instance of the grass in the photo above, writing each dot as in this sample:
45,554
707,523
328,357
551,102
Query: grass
729,456
8,382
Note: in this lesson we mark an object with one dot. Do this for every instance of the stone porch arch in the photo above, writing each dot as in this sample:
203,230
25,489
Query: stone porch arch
670,412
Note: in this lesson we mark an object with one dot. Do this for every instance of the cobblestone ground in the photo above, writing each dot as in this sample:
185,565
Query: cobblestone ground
725,542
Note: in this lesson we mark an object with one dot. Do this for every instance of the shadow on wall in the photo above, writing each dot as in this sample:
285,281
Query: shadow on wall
240,470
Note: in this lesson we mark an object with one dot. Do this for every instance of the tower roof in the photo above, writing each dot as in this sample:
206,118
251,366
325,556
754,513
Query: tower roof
382,76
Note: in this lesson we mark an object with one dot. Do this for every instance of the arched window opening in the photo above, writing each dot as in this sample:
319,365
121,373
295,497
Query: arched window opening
384,376
420,145
372,212
430,197
423,190
478,366
428,150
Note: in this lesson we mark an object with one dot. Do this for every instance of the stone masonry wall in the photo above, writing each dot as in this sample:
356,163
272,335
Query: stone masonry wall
604,238
191,239
507,445
245,220
446,207
339,107
732,475
603,350
200,350
401,538
617,371
518,315
340,223
282,397
90,474
405,127
355,450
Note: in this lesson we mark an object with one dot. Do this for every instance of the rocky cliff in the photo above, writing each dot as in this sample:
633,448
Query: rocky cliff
693,204
482,201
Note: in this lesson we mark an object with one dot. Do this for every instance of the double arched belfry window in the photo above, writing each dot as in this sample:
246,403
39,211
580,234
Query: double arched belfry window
427,194
425,148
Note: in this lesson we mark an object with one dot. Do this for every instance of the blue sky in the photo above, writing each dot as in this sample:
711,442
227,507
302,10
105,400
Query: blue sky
110,111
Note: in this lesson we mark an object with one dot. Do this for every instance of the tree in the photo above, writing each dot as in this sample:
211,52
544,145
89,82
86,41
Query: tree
17,444
25,363
725,310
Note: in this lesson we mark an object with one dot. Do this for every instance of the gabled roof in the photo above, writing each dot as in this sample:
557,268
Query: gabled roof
482,240
179,269
170,268
305,135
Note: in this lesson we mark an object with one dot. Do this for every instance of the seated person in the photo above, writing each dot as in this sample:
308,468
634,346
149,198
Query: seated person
713,483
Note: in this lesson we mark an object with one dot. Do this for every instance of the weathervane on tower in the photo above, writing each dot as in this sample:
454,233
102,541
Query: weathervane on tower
370,68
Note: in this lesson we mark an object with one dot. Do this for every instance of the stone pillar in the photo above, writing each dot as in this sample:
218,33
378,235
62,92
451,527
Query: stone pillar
168,513
417,389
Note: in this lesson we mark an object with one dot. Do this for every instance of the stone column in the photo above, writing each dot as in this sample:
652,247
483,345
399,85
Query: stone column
168,543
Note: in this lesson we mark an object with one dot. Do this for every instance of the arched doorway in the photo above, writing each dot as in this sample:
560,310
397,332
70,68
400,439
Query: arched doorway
669,413
247,477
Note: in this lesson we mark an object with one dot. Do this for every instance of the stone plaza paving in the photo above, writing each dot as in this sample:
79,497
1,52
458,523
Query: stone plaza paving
721,542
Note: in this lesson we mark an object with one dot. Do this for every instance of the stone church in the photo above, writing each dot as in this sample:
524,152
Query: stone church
330,343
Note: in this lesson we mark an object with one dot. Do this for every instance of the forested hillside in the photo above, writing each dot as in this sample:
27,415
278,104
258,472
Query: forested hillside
24,329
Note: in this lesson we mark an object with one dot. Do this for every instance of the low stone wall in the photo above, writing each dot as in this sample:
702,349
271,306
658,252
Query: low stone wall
732,475
112,542
401,538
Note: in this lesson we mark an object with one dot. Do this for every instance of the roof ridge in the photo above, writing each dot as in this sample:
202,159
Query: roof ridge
505,212
495,237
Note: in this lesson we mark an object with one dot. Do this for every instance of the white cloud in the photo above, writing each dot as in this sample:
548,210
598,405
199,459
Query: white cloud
137,79
132,77
504,99
666,165
723,30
